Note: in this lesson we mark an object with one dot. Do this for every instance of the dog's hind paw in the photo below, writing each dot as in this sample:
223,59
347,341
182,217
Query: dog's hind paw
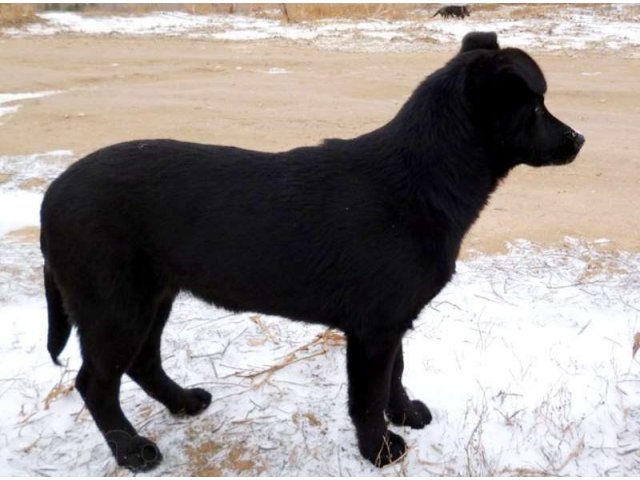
414,414
136,453
390,450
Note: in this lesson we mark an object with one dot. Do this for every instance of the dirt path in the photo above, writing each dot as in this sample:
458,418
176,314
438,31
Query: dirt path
116,89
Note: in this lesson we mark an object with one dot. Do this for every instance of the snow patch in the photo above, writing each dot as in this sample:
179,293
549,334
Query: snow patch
9,110
19,209
23,179
565,27
277,71
524,360
14,97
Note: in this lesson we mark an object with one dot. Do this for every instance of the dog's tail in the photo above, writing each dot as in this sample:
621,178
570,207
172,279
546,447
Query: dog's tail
59,326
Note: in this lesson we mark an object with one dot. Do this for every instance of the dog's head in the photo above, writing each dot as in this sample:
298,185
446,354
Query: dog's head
505,90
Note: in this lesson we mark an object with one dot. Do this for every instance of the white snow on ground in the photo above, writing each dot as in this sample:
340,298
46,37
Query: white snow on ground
614,27
8,110
14,97
19,209
277,71
20,195
524,359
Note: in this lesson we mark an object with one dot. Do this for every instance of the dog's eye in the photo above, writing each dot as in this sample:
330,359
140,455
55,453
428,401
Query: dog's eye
538,109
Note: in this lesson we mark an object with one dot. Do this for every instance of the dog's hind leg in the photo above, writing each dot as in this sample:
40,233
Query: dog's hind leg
110,337
369,367
401,410
146,370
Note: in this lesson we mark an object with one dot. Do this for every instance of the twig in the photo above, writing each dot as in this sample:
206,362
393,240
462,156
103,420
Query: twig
256,319
324,340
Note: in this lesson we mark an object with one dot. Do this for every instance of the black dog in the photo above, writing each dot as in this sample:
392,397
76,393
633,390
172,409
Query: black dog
355,234
456,11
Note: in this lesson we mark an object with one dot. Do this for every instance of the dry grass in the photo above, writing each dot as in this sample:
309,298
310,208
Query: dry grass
17,14
291,12
523,12
319,346
309,417
35,184
25,235
485,7
296,12
208,458
145,8
61,389
636,345
200,455
541,10
601,262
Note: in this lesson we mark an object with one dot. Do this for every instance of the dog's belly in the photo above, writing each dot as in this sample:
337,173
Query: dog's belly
383,290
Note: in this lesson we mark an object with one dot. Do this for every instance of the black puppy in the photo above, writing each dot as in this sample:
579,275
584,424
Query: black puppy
355,234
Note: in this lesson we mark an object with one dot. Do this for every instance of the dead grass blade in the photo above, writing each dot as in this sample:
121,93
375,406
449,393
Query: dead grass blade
61,389
17,14
636,345
323,342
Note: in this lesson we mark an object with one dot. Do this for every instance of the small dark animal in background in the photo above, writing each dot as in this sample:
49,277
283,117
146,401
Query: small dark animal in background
453,11
356,234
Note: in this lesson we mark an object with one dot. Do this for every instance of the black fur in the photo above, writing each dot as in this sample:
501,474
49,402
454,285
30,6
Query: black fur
355,234
476,40
453,11
59,326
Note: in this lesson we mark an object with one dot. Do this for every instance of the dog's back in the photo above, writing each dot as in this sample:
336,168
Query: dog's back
235,227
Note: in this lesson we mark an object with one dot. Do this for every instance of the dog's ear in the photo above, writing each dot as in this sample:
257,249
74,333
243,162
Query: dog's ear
496,80
477,40
500,81
516,66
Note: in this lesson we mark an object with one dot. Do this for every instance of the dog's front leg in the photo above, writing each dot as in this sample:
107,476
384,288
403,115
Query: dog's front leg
369,366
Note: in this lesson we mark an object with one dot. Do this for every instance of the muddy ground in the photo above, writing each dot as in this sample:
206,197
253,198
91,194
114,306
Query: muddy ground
116,89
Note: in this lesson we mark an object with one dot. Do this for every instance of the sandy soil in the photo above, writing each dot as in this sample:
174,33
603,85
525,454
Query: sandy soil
116,89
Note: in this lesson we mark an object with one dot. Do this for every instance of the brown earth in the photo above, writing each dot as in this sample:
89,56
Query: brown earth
118,89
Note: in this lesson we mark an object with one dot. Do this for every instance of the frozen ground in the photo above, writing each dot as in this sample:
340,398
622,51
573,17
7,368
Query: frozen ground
524,359
564,27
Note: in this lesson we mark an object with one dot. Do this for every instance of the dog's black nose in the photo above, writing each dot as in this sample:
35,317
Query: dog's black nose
577,138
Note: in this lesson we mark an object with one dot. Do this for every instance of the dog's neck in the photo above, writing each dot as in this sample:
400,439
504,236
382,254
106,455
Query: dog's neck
450,184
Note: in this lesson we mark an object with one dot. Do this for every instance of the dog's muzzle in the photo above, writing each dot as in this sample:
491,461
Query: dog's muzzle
577,138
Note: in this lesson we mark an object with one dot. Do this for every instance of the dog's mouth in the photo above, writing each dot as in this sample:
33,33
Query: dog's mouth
566,160
566,153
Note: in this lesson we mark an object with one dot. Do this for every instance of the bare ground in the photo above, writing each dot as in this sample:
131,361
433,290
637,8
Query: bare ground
116,89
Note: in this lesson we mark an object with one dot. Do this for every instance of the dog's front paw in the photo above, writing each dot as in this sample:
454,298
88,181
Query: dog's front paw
192,402
414,414
136,453
381,453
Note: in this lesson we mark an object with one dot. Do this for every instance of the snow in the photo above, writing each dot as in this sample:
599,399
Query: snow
277,71
9,110
19,203
524,359
612,27
19,209
14,97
